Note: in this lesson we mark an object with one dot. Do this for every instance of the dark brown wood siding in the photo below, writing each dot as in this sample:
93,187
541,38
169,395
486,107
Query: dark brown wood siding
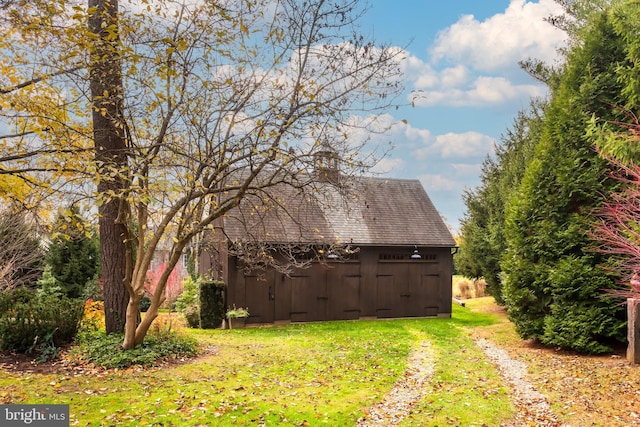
382,282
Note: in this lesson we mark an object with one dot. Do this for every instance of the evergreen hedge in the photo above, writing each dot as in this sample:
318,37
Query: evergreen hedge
31,323
211,303
554,287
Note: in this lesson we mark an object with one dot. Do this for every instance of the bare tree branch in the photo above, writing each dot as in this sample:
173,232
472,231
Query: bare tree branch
35,80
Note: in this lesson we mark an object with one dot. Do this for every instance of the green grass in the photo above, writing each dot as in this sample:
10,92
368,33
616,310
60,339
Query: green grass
304,374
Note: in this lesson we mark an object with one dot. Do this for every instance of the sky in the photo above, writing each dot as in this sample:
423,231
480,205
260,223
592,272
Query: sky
463,59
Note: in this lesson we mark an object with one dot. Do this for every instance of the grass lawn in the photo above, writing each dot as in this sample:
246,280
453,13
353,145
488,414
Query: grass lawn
302,374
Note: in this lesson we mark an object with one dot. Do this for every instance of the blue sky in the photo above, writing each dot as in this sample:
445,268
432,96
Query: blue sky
463,56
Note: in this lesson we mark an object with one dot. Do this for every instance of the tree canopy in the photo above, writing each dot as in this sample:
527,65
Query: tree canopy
553,280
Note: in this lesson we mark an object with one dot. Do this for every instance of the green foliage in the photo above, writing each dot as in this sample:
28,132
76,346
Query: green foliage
212,310
483,240
92,289
106,350
145,303
190,294
614,141
191,265
192,315
30,322
188,302
73,254
553,286
48,285
234,313
619,139
576,320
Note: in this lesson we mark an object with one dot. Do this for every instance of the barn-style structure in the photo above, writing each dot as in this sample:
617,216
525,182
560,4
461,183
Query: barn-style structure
397,263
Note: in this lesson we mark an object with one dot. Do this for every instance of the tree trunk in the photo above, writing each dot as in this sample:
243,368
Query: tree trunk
133,319
633,333
110,154
143,327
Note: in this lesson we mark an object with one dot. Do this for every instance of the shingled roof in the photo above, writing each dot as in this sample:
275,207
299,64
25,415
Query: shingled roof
378,212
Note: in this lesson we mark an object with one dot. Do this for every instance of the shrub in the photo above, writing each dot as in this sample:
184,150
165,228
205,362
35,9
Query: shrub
48,285
480,288
466,288
190,294
73,255
145,303
192,316
212,310
31,323
93,289
93,316
106,350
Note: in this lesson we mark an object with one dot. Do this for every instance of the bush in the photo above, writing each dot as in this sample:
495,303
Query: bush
192,316
73,256
29,323
93,289
212,310
48,285
466,288
106,350
190,294
145,303
93,317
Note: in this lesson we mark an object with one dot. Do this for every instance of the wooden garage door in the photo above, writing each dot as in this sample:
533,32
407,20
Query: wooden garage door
259,297
322,293
343,289
308,295
407,289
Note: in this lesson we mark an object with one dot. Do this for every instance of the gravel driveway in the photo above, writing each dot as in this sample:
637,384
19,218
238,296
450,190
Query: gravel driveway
532,407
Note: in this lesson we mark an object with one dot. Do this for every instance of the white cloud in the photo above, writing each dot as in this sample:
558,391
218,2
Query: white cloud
468,144
433,183
483,91
387,165
451,77
503,39
467,169
419,72
417,134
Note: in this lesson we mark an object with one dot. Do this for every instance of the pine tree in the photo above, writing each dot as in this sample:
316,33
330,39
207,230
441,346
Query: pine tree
554,288
73,254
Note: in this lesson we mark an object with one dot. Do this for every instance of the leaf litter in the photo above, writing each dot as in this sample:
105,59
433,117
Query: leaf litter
405,393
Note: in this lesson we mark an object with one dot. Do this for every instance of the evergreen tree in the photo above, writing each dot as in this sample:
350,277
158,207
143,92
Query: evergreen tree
554,287
73,254
483,241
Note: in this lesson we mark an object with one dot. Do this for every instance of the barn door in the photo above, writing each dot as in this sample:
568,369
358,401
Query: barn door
343,288
259,297
430,294
392,289
309,298
407,289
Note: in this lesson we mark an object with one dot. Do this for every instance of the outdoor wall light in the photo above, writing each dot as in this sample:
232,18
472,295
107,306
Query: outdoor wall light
415,254
331,255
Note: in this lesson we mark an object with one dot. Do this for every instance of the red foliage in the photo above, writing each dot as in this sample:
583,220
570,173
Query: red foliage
174,283
618,229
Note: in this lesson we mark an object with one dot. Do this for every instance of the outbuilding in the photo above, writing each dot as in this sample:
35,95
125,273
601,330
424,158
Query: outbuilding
381,252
